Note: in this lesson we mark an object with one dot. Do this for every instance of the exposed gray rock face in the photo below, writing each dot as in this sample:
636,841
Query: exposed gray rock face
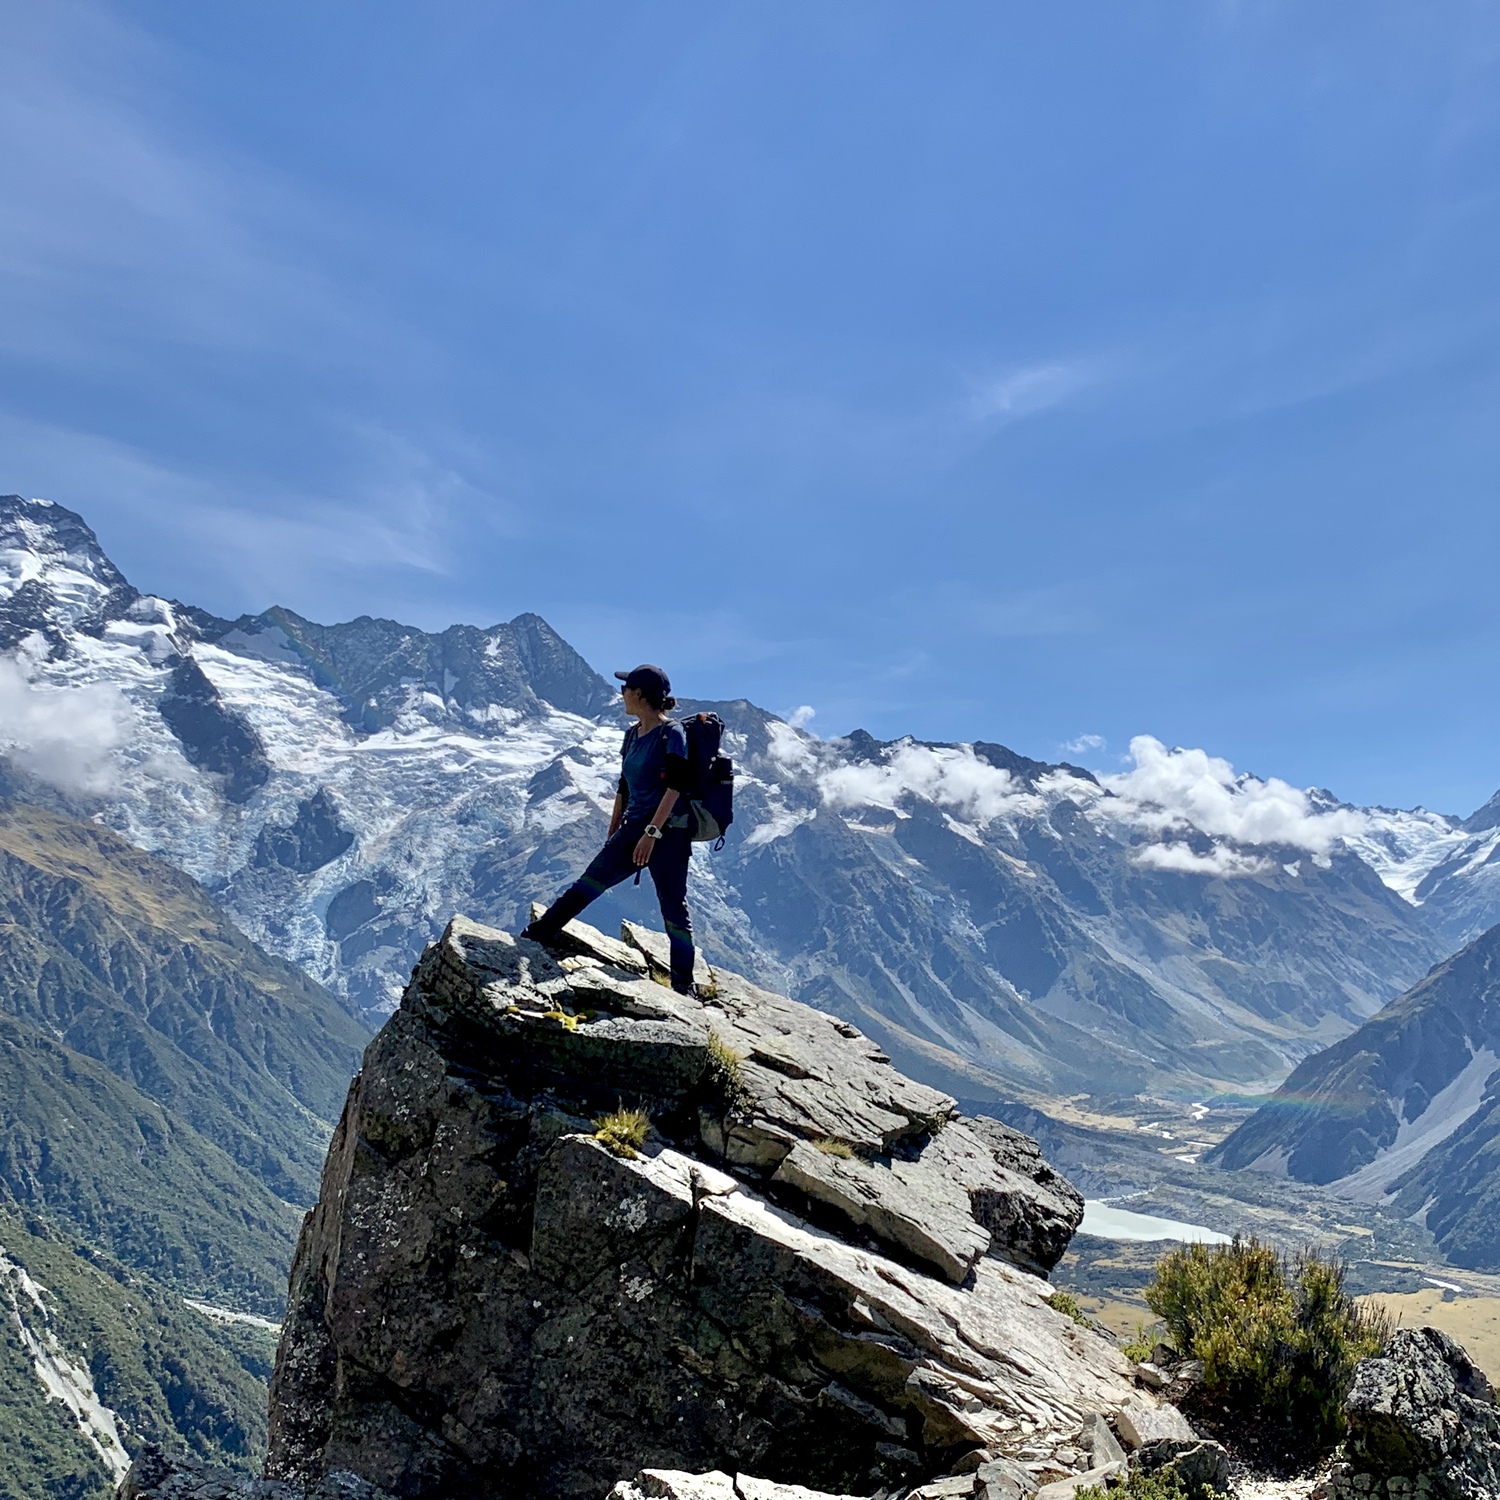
487,1301
213,737
1142,1421
1200,1466
1422,1420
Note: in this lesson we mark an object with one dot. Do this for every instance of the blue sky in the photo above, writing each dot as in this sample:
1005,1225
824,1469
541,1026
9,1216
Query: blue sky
988,370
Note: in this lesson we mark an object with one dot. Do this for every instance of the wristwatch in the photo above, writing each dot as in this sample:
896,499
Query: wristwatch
652,831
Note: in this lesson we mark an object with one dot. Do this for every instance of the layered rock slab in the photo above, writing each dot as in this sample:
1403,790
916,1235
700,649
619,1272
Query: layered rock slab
486,1300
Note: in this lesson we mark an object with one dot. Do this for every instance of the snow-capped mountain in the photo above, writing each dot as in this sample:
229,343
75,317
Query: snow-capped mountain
997,921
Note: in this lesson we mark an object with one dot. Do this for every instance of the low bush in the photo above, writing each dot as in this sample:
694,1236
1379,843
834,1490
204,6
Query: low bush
1279,1338
623,1131
831,1145
1068,1305
1137,1485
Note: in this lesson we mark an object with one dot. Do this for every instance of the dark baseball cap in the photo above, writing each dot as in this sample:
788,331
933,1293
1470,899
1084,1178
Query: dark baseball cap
652,679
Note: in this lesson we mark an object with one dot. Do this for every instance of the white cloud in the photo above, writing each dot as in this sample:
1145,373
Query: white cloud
952,777
1085,744
791,749
1032,389
1178,791
801,717
66,737
1220,860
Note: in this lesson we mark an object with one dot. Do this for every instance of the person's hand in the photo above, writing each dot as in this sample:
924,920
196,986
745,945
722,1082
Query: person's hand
643,850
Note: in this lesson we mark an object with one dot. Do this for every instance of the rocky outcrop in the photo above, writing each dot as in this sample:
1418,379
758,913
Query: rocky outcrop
810,1269
1200,1466
1422,1421
213,736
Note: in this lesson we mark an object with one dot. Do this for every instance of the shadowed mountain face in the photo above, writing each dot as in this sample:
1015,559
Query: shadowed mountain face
998,921
1405,1110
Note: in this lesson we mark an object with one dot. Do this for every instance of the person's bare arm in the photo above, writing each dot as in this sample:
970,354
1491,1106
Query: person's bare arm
618,815
658,820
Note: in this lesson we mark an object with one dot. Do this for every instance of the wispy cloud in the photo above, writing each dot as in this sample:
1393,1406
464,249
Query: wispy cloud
1197,814
1024,392
1084,744
952,777
122,233
396,512
66,737
1219,860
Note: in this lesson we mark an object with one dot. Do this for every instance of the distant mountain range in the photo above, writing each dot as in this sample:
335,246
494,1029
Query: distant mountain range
1405,1111
1005,925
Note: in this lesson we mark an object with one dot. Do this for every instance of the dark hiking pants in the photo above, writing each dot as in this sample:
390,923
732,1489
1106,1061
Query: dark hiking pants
615,863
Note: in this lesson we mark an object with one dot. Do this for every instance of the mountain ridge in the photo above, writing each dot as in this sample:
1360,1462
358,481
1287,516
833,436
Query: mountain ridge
1045,929
1404,1111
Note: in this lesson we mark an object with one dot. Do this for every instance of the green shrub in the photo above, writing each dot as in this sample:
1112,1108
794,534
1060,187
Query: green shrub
724,1075
623,1131
1279,1339
1138,1349
1067,1304
1162,1485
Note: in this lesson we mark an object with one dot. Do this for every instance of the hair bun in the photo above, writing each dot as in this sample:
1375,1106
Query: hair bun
670,703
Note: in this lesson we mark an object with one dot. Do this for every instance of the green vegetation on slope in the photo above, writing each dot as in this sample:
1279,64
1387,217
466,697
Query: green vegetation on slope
166,1096
104,1163
166,1089
1279,1339
169,1374
128,961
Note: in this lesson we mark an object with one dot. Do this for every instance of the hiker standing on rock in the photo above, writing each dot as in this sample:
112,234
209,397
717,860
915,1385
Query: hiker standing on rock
647,831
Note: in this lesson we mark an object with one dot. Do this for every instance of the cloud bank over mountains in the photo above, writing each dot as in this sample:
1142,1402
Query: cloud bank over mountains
1176,798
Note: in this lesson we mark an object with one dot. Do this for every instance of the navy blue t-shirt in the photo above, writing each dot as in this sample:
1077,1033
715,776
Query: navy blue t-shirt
645,772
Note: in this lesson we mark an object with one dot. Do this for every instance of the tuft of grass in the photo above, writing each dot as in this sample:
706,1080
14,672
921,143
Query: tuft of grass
1138,1349
725,1075
623,1131
1067,1304
563,1018
831,1145
1279,1338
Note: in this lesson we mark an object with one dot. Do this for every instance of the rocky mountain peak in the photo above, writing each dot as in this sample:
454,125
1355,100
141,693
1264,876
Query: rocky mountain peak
573,1224
54,575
